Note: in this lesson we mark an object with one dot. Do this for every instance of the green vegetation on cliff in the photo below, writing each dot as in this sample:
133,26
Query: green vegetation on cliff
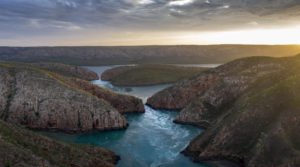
141,75
68,70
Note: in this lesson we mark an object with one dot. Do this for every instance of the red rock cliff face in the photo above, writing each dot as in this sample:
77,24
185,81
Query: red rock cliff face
37,99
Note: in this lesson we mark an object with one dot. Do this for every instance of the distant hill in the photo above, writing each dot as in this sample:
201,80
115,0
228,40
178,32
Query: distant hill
143,75
144,54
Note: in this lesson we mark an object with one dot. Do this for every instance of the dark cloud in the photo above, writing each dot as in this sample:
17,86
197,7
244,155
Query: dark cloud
40,17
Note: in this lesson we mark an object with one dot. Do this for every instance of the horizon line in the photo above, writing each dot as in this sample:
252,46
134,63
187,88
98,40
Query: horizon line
154,45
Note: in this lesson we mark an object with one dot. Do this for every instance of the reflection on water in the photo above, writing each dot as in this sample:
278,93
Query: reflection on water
151,140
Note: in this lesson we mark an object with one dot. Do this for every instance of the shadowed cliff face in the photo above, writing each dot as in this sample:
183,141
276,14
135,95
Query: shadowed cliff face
43,100
250,107
21,147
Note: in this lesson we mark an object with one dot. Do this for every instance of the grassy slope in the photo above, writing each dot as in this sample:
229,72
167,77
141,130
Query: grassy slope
149,74
21,147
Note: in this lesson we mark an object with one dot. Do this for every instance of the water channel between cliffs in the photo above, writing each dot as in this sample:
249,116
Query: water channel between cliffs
151,140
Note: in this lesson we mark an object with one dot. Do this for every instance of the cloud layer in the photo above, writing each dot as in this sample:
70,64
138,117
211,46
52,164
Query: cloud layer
45,18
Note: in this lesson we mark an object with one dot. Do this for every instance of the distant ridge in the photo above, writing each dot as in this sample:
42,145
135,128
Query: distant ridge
176,54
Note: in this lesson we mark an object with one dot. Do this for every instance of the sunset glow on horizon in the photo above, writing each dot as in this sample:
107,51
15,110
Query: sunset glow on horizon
148,22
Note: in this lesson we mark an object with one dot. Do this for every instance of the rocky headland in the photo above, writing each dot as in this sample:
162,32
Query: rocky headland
250,108
41,99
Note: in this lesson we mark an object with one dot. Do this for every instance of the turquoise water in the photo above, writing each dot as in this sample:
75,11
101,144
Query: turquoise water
151,140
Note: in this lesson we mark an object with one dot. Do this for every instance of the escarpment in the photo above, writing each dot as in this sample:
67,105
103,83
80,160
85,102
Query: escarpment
38,99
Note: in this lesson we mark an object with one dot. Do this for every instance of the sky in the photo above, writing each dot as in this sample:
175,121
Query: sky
148,22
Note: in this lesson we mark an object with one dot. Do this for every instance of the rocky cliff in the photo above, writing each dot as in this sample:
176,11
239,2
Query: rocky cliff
260,129
44,100
78,77
123,103
21,147
214,89
250,108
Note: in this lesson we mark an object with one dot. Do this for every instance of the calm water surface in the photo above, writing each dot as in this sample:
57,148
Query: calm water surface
151,140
